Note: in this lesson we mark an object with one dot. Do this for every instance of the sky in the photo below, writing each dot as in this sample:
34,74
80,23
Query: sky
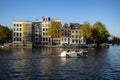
69,11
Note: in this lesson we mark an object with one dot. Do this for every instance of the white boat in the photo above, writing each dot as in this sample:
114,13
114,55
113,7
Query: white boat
74,54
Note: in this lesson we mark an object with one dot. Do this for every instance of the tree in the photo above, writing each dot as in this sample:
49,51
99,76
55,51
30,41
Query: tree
99,32
85,30
54,30
5,34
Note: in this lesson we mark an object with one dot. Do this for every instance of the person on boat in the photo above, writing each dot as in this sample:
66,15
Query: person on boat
68,50
81,50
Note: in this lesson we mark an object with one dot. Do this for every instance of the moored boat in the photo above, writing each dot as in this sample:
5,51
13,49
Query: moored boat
74,54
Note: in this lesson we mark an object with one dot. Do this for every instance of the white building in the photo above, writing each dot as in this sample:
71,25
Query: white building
45,24
75,38
22,32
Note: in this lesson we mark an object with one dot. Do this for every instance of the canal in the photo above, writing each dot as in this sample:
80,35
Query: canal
44,63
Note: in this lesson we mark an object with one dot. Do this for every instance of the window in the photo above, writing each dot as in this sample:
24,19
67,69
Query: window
43,29
20,34
43,34
14,39
49,39
20,29
72,41
14,29
17,25
65,39
72,31
17,34
46,29
17,39
76,36
76,41
68,39
14,24
14,34
36,35
43,39
36,39
46,39
20,25
76,31
20,39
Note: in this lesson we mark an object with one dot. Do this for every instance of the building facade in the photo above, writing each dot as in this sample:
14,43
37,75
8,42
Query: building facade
65,34
75,38
46,23
57,37
40,31
22,32
26,32
36,32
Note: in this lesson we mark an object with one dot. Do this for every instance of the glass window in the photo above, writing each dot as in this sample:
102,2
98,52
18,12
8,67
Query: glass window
14,34
20,25
20,39
43,29
65,39
17,25
14,29
46,39
17,39
76,36
36,38
20,29
43,39
20,34
76,41
72,41
14,39
17,34
14,24
43,34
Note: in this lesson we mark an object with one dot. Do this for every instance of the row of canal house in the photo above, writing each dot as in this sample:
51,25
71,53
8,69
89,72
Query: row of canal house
27,33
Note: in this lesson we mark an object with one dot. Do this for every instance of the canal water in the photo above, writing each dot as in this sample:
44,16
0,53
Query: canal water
44,64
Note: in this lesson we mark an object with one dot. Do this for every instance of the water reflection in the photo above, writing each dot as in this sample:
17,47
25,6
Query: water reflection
44,63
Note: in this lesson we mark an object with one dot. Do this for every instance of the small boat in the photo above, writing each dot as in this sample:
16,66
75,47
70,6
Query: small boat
74,54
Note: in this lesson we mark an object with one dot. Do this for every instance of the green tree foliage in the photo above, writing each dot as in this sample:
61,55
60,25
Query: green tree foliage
99,32
5,34
85,30
54,30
